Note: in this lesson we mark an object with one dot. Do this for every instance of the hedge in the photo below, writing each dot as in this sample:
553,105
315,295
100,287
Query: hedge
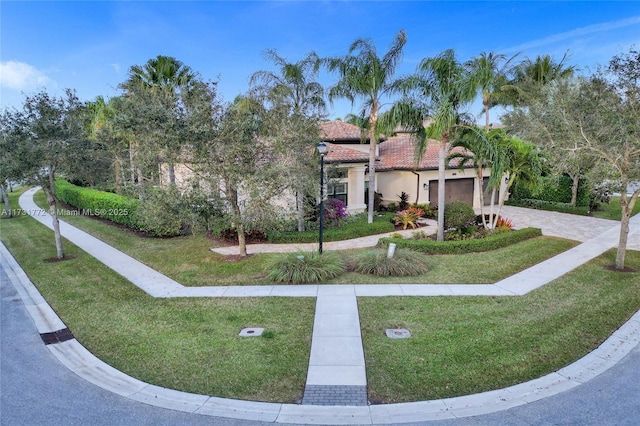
114,207
548,205
491,242
360,228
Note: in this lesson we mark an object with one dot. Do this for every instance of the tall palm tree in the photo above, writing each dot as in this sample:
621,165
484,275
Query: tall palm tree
366,76
490,71
162,72
294,93
447,86
529,76
166,78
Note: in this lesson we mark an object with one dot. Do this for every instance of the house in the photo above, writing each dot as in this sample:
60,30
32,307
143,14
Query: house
396,170
347,159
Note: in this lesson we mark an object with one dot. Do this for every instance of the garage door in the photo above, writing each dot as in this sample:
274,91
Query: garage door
454,190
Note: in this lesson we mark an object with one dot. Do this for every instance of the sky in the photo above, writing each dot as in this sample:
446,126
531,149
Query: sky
89,46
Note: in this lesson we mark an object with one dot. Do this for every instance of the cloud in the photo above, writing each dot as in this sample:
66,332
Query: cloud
116,68
577,33
21,76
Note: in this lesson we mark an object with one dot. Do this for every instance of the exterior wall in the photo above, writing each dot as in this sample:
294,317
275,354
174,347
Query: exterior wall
355,194
392,183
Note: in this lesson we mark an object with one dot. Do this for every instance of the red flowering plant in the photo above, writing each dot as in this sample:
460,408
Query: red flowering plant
408,217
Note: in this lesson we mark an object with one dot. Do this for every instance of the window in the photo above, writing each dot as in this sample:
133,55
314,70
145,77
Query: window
338,191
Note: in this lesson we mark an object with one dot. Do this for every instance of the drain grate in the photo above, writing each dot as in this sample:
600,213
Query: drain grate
251,331
57,336
398,333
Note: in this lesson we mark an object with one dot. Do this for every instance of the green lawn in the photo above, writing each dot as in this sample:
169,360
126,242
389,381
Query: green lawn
613,211
460,345
189,260
464,345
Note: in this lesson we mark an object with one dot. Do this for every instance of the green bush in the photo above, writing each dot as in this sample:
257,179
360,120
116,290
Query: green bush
306,267
349,228
554,189
548,205
114,207
491,242
458,215
375,262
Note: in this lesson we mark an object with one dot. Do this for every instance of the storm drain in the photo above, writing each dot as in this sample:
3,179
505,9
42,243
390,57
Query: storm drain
58,336
398,333
251,331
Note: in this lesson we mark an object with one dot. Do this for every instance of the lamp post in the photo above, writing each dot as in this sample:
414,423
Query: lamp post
322,149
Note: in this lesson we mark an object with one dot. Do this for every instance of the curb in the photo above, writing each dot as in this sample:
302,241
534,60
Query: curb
79,360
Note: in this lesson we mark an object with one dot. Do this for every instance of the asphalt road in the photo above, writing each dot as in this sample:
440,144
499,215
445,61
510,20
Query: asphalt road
36,389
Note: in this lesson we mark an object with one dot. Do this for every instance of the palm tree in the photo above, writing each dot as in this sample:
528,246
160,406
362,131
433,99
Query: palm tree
490,71
447,86
293,92
163,72
167,79
530,76
364,75
480,149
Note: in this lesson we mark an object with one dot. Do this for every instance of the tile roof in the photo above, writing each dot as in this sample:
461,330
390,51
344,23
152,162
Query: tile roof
331,131
341,154
396,153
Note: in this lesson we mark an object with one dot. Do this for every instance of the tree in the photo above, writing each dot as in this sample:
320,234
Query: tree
530,76
296,104
229,158
12,153
167,80
490,72
52,129
446,86
599,116
364,75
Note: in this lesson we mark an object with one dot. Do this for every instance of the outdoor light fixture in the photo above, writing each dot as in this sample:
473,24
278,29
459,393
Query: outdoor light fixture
322,149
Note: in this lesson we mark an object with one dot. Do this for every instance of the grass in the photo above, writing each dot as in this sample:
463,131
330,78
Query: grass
189,261
187,344
462,345
306,267
613,211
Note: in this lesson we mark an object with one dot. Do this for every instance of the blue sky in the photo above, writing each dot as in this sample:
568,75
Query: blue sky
90,45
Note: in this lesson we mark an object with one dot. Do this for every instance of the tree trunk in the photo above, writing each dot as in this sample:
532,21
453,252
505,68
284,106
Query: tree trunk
132,164
53,211
574,189
5,198
300,202
118,172
372,177
172,173
441,184
235,206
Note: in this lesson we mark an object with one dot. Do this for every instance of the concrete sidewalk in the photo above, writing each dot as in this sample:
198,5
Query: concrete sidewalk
336,358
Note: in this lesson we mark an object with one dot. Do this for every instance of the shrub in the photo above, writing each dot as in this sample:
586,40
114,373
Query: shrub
375,262
408,217
334,211
554,189
547,205
458,215
504,223
306,267
350,228
114,207
491,242
404,201
419,235
397,235
429,211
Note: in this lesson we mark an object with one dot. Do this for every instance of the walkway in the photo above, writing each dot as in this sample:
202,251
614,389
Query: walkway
336,360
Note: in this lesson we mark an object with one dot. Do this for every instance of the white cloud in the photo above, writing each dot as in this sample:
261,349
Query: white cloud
21,76
576,33
116,67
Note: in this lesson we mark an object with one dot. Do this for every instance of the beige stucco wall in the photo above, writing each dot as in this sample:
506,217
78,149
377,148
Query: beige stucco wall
392,183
